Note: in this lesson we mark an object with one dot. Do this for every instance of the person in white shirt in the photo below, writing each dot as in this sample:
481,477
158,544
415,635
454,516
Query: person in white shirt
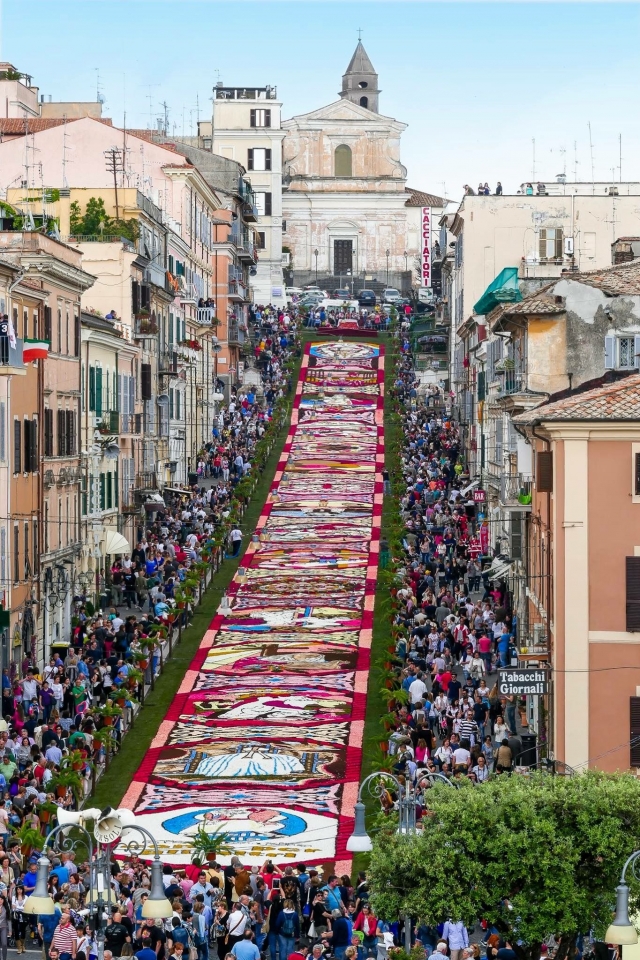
461,756
417,690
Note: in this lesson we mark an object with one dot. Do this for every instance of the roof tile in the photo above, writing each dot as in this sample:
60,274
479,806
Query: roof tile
613,401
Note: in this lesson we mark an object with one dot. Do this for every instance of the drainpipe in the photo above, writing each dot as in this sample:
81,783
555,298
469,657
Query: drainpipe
548,576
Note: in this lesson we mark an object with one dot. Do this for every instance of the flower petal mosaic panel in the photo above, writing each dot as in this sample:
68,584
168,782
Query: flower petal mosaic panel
263,741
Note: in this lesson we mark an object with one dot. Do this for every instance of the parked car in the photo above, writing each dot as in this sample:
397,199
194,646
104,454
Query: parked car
341,293
314,288
366,298
391,295
291,292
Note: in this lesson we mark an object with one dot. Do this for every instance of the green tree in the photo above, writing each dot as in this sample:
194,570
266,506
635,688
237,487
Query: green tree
535,856
96,222
75,218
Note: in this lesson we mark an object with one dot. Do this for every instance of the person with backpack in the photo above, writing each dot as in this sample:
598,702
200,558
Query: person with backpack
332,890
287,929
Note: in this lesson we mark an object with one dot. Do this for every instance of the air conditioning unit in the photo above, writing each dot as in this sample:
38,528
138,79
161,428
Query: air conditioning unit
568,246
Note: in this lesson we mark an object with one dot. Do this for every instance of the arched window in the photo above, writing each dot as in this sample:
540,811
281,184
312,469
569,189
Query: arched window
363,84
343,161
364,101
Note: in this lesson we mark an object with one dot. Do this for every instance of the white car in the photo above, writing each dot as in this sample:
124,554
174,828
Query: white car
291,292
391,295
312,288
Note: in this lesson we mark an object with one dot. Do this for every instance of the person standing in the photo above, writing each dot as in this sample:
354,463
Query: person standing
456,935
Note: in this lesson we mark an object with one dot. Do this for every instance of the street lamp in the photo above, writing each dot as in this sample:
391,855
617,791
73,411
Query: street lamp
622,931
360,841
109,826
315,253
387,254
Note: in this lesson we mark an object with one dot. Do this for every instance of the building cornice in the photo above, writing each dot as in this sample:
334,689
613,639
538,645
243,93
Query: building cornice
47,267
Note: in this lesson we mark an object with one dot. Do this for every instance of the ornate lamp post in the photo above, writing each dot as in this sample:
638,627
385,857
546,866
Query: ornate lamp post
622,932
360,841
109,826
387,254
315,253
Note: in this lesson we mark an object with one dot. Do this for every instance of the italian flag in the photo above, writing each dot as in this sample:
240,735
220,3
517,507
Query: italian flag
35,350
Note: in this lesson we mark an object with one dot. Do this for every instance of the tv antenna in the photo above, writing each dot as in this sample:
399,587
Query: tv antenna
115,165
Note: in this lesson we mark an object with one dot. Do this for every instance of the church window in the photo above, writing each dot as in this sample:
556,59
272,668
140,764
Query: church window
343,161
364,101
363,84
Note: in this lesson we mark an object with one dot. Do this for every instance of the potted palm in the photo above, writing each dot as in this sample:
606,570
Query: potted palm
209,845
109,712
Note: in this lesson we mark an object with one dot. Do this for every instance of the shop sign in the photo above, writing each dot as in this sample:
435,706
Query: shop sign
523,681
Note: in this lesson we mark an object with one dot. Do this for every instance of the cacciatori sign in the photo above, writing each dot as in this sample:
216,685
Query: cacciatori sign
425,251
519,682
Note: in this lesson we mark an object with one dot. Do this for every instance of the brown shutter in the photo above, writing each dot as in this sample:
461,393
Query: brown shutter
634,729
544,472
48,433
252,120
47,324
17,446
267,159
249,159
145,381
267,118
637,474
633,594
267,204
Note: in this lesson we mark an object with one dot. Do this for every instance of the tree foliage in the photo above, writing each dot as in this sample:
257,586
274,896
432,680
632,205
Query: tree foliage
535,856
96,222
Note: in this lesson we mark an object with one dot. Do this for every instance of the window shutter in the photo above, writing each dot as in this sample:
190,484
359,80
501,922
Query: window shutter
558,251
99,391
482,390
119,401
76,336
132,395
636,351
516,536
17,446
267,204
544,472
249,159
609,353
135,296
637,475
92,388
178,411
3,435
27,446
252,119
542,252
267,118
33,446
47,324
499,449
633,594
62,443
116,500
267,159
171,404
71,432
634,732
145,377
48,433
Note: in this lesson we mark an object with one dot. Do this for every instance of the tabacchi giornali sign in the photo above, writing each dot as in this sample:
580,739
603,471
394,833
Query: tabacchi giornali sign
425,256
519,681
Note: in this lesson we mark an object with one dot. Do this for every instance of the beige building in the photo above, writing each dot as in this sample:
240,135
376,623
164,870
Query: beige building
344,186
246,128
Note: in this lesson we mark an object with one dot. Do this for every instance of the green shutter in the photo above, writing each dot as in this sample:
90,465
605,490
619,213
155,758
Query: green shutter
92,388
115,489
171,328
171,404
109,490
99,391
103,498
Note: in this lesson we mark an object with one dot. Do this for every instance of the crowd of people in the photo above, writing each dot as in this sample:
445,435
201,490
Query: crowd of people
376,318
453,626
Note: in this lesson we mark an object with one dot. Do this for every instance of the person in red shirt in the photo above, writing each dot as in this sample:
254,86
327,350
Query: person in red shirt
484,649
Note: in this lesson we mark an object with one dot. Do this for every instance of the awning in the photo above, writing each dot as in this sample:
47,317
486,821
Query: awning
504,289
116,543
498,570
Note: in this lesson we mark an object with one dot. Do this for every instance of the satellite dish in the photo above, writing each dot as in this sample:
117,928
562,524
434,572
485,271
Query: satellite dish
112,451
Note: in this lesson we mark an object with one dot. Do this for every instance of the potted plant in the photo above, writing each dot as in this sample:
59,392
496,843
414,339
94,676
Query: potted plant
209,845
46,811
109,712
65,779
141,657
134,677
30,839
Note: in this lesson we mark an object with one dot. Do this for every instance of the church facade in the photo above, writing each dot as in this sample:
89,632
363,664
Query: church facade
345,206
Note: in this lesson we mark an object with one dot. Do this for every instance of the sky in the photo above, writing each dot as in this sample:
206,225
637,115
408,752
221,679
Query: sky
476,83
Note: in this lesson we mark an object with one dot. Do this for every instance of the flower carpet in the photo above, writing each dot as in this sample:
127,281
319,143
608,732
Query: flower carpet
263,741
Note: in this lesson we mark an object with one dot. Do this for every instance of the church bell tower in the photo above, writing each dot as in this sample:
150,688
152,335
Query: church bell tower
360,82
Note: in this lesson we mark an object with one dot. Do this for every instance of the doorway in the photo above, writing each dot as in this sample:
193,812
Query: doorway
342,256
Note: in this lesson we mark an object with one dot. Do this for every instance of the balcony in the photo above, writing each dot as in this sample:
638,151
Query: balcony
146,481
247,251
11,361
515,493
109,424
235,335
206,317
144,328
237,290
189,293
249,212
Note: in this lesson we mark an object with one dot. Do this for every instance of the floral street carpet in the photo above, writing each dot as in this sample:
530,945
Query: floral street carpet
263,741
